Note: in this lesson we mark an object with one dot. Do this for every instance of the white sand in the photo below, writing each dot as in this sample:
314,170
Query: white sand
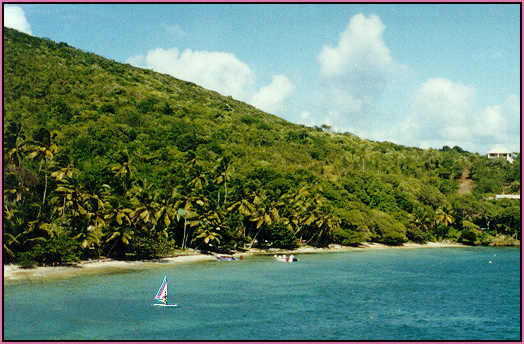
14,272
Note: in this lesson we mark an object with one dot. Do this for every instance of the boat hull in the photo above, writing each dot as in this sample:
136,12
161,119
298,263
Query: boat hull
225,258
286,259
162,305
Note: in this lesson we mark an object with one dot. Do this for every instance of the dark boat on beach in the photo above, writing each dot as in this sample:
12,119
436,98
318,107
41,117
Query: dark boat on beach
226,258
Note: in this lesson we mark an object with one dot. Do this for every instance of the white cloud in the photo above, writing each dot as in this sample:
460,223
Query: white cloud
137,61
14,17
490,121
444,101
498,148
445,113
360,48
271,98
355,72
219,71
512,114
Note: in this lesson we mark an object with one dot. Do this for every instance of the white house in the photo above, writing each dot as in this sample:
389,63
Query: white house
506,155
507,196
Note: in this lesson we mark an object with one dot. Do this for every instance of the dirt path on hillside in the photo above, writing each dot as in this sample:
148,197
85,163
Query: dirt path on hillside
465,183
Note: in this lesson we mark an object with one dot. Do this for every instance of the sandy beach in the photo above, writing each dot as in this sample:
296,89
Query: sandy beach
15,273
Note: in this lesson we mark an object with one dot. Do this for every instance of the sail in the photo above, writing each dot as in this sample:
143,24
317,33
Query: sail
161,295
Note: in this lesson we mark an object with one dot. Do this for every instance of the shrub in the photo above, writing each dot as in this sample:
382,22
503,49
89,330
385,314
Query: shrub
348,238
148,245
416,234
166,109
277,235
386,229
471,233
146,105
26,260
248,120
59,250
107,108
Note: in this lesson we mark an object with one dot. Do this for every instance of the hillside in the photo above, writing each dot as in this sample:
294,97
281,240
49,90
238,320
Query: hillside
105,159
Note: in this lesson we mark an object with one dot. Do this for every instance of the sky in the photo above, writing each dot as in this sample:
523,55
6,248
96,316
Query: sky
423,75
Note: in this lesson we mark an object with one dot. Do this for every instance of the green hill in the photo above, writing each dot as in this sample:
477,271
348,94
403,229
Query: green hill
105,159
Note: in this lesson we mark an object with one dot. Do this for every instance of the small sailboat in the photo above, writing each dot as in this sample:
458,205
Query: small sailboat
161,295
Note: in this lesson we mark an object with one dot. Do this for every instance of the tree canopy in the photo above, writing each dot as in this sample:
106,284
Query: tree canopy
106,159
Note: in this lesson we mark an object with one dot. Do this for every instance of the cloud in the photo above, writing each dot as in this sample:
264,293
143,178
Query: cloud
359,49
271,98
444,112
219,71
498,148
444,100
14,17
442,108
175,30
355,72
305,118
491,121
137,61
512,114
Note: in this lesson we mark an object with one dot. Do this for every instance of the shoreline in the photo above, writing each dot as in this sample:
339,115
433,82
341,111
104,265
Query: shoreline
12,273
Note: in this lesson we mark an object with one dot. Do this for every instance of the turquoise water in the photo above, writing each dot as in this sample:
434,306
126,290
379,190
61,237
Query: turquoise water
389,294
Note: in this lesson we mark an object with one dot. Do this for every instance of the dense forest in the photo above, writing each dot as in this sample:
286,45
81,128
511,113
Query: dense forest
102,159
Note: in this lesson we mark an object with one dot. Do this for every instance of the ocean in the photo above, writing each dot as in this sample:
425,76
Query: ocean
374,294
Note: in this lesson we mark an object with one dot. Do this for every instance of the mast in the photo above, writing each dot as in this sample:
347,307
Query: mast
165,294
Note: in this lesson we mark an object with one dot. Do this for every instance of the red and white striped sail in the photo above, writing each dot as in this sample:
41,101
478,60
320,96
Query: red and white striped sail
161,295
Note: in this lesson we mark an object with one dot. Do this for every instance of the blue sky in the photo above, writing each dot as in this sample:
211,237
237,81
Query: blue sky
424,75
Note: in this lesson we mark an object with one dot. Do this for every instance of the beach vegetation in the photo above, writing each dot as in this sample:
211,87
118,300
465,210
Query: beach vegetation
102,159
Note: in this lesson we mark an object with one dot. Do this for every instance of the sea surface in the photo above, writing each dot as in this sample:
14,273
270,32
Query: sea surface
375,294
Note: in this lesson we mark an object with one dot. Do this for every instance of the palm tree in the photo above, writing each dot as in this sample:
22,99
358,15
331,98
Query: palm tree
298,208
188,206
443,216
15,154
69,192
259,211
326,224
124,170
209,225
96,211
224,169
119,221
45,154
190,218
244,208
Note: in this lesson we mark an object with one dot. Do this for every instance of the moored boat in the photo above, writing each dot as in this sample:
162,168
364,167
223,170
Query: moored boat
226,258
285,258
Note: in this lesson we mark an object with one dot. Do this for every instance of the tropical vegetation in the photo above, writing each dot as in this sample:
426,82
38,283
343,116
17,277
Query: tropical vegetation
103,159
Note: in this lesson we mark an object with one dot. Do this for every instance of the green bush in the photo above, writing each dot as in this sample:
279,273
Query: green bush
386,229
416,234
61,249
471,233
348,238
469,237
146,105
149,245
107,108
26,260
277,235
453,234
